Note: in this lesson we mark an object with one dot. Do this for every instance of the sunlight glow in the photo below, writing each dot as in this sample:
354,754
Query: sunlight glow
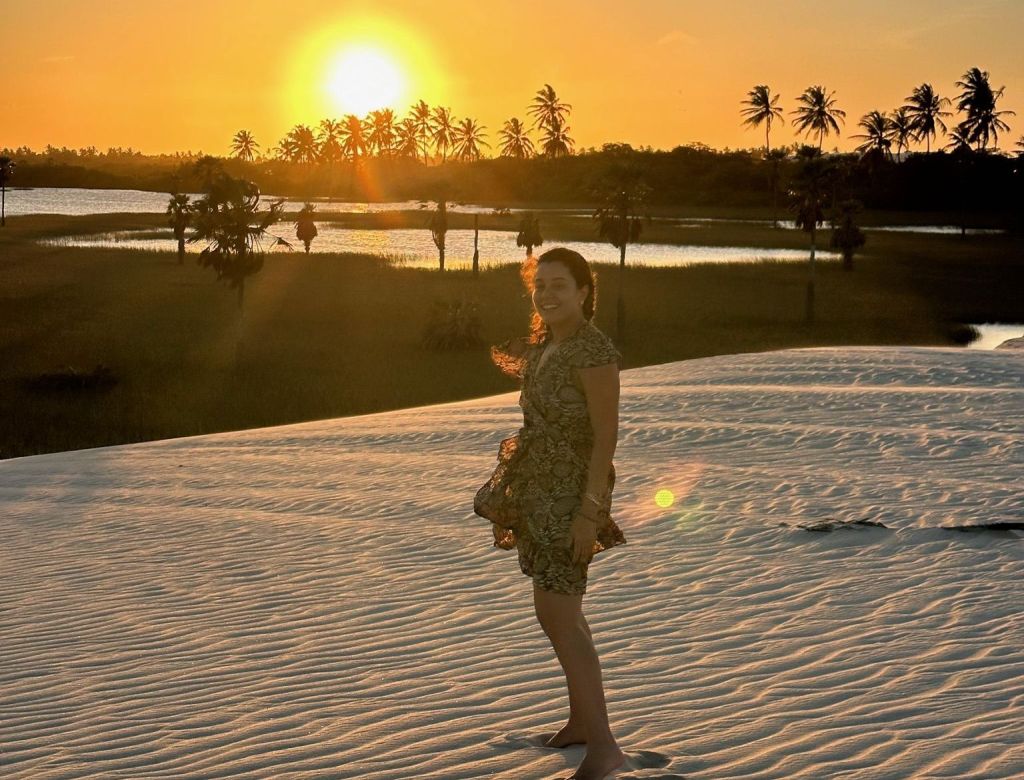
363,79
357,64
664,498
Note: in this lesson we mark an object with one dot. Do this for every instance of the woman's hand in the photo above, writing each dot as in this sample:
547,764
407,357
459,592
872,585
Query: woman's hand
583,534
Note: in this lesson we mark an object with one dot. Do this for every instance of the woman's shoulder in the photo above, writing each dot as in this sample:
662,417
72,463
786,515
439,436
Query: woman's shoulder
593,348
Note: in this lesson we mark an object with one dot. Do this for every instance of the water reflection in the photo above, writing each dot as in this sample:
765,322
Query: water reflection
414,248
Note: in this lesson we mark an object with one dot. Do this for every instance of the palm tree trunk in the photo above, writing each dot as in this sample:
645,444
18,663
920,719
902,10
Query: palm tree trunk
440,255
3,206
241,319
181,251
809,303
476,245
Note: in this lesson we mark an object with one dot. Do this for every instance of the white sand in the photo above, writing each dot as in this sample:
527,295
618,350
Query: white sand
318,600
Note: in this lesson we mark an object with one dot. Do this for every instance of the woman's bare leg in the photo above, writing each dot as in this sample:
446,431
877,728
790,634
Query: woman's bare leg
561,617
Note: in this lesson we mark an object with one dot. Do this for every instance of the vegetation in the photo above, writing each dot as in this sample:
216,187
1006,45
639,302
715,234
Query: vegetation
305,227
165,332
6,171
179,213
847,237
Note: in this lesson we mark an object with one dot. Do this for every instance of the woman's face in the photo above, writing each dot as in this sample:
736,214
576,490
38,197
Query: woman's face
555,295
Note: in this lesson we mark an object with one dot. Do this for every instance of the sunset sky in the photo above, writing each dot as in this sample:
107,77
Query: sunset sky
165,76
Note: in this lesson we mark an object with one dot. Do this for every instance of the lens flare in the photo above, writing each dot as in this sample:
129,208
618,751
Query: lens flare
664,498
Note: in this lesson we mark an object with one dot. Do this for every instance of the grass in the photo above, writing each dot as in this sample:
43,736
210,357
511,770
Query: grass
334,334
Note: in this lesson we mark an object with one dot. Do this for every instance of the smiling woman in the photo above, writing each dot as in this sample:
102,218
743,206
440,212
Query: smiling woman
357,65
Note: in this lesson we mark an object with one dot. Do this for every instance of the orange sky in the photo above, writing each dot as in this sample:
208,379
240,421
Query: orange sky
165,76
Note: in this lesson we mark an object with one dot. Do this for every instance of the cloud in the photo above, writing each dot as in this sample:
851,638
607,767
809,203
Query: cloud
676,36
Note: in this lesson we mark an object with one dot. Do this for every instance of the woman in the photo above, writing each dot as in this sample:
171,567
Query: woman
550,495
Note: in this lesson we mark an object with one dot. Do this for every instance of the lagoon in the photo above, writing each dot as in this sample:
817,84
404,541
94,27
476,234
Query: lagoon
415,249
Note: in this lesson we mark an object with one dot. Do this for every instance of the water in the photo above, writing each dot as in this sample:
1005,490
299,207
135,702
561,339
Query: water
995,333
78,202
415,248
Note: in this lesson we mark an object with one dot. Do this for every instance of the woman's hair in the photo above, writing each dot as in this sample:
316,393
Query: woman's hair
580,271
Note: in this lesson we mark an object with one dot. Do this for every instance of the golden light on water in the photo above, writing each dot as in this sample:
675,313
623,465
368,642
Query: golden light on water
356,65
364,78
664,498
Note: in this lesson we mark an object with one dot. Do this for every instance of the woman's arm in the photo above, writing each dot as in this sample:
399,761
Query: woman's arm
601,386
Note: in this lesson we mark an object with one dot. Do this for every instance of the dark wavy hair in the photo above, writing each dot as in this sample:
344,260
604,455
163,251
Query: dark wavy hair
581,273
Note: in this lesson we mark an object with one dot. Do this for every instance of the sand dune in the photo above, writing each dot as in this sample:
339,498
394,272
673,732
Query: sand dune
319,600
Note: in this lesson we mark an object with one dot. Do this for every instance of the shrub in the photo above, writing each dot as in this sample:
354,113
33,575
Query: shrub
454,325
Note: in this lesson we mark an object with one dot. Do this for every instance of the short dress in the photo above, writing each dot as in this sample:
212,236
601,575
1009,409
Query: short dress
541,475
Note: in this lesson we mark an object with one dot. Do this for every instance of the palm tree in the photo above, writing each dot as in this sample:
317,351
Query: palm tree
847,237
762,106
328,139
407,139
556,141
229,222
808,197
442,131
352,136
775,158
381,137
439,228
901,130
300,145
180,213
529,232
515,140
468,137
420,116
208,169
818,113
620,222
978,101
925,109
7,166
547,109
244,146
305,228
876,139
549,115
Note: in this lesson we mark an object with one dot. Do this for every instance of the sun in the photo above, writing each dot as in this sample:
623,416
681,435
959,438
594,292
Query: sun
364,78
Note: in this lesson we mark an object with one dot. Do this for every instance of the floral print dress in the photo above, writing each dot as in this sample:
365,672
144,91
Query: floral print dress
541,475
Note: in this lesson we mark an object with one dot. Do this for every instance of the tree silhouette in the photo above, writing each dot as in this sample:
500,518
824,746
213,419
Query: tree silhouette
382,135
439,228
180,217
442,131
209,170
978,101
352,137
620,221
305,228
529,232
467,139
420,115
762,106
299,145
328,144
244,146
228,221
925,109
817,113
878,129
847,237
7,166
515,140
901,130
775,158
550,115
808,204
407,138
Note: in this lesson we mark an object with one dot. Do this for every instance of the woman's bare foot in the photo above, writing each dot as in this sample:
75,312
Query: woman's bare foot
571,734
599,762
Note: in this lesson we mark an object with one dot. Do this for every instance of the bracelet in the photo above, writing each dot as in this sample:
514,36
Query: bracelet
593,498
